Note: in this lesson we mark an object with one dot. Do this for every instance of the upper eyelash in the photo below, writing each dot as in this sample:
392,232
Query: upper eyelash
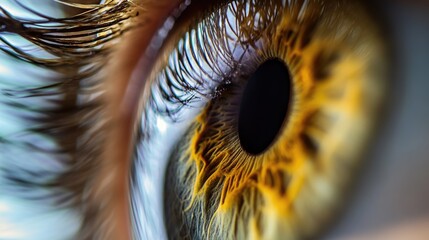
69,117
179,86
71,39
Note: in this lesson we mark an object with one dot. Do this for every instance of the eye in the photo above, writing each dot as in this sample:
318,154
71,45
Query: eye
260,113
59,178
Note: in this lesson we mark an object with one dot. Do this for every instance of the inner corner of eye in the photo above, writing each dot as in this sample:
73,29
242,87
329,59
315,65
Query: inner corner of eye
264,105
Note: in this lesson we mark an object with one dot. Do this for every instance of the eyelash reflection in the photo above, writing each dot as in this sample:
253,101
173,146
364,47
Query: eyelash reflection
54,101
213,186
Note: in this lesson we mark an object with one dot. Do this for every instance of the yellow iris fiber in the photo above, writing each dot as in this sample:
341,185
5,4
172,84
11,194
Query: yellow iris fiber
293,188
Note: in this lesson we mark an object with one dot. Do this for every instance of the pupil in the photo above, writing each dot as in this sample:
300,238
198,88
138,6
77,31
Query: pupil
264,106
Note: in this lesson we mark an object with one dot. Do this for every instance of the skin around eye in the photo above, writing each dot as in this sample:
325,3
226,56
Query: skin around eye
123,95
293,186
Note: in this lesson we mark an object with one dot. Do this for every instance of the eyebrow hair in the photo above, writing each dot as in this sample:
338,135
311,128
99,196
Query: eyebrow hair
66,109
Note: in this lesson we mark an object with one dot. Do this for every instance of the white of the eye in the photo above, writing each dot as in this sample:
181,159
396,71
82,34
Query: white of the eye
147,189
149,166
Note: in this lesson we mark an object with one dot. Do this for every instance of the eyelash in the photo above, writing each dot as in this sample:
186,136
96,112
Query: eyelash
180,83
61,106
73,51
176,84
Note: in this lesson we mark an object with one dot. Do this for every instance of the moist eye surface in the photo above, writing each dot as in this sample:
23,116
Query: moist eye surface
263,106
259,112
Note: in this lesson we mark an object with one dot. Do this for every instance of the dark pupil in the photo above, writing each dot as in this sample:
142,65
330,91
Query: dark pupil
264,106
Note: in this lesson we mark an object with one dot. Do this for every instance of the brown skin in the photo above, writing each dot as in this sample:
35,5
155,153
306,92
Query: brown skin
123,96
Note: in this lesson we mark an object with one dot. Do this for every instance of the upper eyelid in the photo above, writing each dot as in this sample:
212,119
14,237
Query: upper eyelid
76,177
169,34
134,46
124,88
65,115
